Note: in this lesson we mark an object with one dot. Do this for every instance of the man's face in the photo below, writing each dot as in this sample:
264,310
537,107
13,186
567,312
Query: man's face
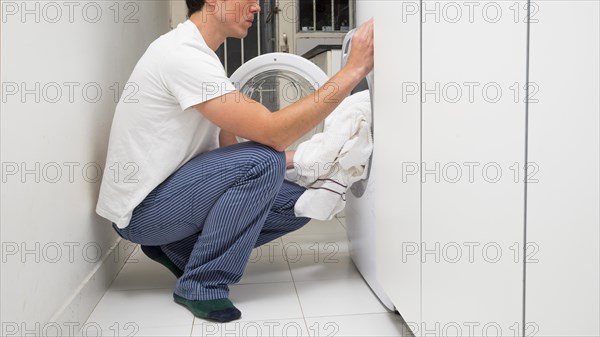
237,16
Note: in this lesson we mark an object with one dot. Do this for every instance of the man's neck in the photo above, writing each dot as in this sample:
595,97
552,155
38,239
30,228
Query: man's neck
208,30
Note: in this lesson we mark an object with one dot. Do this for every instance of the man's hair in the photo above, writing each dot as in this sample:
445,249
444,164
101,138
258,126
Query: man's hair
194,6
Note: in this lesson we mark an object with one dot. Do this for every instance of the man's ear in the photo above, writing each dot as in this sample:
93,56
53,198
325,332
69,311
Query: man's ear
209,7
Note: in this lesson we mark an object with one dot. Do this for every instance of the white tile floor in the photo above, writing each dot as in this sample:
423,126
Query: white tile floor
303,284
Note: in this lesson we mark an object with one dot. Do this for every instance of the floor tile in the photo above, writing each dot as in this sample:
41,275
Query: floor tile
343,222
166,331
266,268
302,284
143,274
300,245
319,227
265,328
322,266
337,297
384,324
268,251
147,308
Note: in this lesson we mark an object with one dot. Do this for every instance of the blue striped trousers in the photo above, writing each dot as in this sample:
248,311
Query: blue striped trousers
209,215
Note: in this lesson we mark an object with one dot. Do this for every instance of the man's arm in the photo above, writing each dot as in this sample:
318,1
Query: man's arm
242,116
226,138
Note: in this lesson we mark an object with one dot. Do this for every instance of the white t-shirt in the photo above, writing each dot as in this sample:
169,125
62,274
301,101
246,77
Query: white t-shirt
155,129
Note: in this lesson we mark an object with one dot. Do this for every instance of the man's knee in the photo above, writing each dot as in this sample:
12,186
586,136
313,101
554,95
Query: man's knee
268,160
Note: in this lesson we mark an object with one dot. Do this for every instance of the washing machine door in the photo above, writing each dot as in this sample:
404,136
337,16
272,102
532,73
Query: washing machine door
279,79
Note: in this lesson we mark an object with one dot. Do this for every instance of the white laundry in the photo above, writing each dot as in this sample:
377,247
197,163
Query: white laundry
331,161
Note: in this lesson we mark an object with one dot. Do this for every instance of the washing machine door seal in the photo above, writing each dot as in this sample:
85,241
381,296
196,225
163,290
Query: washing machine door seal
279,79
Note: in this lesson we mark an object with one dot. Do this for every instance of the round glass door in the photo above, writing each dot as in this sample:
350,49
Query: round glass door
276,89
278,80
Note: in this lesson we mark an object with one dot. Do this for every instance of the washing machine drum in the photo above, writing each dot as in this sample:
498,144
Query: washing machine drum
277,80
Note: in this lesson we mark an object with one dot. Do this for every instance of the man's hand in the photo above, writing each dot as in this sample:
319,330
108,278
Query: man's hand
361,54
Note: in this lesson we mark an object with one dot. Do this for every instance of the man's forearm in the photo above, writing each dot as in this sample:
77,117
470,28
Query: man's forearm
298,118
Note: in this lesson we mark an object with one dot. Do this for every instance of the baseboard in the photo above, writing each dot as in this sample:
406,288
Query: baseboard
78,308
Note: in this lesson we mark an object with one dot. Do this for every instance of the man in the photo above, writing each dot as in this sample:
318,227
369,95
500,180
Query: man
178,183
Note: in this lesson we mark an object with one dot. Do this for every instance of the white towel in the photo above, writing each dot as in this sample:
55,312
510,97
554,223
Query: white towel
331,161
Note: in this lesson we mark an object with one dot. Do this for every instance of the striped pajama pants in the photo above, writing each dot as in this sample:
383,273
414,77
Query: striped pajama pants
209,215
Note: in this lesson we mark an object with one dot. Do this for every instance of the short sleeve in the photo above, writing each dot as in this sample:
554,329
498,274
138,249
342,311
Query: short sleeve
194,75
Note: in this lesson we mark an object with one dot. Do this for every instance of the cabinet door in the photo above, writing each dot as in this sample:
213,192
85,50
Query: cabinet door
286,24
473,149
562,269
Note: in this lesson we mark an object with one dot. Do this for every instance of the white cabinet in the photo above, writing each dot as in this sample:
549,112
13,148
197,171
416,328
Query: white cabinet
472,144
563,269
464,245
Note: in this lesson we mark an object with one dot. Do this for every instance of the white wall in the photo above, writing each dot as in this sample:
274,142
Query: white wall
60,138
178,12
